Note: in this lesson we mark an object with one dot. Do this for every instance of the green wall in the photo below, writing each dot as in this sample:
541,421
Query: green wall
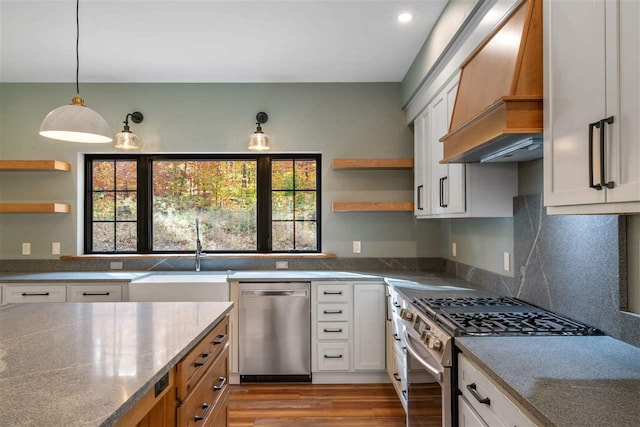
338,120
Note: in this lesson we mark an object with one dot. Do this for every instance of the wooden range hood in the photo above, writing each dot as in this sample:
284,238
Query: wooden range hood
499,99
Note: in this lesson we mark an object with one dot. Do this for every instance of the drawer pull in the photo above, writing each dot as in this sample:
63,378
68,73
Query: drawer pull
473,390
35,294
396,305
332,311
396,377
199,363
336,330
219,340
332,293
396,337
96,294
205,408
326,356
218,387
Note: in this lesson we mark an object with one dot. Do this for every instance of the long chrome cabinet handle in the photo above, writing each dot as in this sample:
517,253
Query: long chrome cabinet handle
436,373
205,408
223,381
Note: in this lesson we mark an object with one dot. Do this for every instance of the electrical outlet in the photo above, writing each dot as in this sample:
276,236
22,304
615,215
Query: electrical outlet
55,248
454,249
357,246
282,265
507,261
26,249
116,265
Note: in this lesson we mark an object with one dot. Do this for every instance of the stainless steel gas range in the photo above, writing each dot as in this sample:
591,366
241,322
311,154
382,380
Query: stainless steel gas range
430,328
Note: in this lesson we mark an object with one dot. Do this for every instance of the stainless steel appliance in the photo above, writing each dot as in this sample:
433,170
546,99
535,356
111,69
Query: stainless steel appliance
433,323
274,332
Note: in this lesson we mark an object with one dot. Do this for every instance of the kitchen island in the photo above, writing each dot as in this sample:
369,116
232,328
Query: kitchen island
89,364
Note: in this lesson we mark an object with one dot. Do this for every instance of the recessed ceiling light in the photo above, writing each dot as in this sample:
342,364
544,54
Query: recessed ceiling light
405,17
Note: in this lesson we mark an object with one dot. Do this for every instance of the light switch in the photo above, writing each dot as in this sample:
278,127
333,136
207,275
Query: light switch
26,249
507,261
454,249
357,247
55,248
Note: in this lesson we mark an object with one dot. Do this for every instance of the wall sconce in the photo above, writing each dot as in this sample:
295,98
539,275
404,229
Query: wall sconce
126,139
76,122
259,140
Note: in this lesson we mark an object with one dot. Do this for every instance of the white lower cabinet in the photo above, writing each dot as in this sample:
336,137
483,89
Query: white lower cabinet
484,401
27,293
94,293
348,332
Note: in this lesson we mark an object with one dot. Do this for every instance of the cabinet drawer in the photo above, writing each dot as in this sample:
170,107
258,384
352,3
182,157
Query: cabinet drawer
333,356
497,409
95,293
194,364
338,312
36,293
209,396
467,417
333,330
334,292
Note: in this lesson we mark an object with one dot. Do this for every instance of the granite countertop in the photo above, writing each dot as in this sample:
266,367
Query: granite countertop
86,364
73,276
564,381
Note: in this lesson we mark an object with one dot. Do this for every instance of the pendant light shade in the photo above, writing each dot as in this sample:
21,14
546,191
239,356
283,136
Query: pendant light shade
259,141
76,122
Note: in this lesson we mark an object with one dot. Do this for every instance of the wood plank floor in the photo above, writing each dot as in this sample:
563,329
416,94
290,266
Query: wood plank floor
317,405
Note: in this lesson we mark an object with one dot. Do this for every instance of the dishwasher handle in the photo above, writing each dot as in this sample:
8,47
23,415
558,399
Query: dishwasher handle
273,293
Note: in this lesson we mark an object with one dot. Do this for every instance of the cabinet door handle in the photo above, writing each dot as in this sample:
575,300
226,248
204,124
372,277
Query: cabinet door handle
594,125
396,305
222,381
326,356
396,337
332,293
35,294
332,311
219,340
201,362
473,390
440,193
396,377
444,203
418,191
335,330
603,180
96,294
205,409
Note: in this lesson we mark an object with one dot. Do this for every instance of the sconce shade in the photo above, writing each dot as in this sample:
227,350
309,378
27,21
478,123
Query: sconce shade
126,140
259,141
76,123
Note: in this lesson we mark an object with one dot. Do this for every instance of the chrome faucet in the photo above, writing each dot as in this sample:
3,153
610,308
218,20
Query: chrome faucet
199,253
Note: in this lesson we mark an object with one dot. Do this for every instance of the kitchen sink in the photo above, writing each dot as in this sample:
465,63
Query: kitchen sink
181,286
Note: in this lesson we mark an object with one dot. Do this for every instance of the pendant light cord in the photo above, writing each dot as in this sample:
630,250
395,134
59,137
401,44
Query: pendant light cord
77,45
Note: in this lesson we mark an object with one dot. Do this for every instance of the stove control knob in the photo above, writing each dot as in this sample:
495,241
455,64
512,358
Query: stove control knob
425,337
435,343
406,314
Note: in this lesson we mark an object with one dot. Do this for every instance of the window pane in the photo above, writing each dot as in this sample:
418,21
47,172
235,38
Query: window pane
306,174
103,237
103,206
282,205
126,175
103,175
282,175
222,193
282,236
126,237
126,206
306,205
306,236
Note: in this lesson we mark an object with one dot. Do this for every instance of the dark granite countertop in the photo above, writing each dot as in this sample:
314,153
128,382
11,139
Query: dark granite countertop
73,276
564,381
86,364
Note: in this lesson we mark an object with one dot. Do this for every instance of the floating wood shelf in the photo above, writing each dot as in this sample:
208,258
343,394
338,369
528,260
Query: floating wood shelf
35,208
354,164
34,165
372,207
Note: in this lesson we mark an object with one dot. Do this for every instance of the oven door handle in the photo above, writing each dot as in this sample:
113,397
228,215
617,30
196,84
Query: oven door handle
423,362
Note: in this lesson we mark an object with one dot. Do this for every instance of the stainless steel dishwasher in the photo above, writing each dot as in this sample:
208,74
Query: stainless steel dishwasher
274,328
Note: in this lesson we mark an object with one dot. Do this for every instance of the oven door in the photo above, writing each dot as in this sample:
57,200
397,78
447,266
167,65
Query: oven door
425,408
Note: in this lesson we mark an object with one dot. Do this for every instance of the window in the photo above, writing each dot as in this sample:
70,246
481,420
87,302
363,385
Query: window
245,203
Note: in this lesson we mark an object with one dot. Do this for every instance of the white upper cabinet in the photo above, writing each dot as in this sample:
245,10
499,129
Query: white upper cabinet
592,107
456,189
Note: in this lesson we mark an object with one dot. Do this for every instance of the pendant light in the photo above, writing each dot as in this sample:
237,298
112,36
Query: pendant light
125,139
259,141
76,122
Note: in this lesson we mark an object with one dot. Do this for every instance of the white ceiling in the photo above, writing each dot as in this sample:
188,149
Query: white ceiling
212,40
